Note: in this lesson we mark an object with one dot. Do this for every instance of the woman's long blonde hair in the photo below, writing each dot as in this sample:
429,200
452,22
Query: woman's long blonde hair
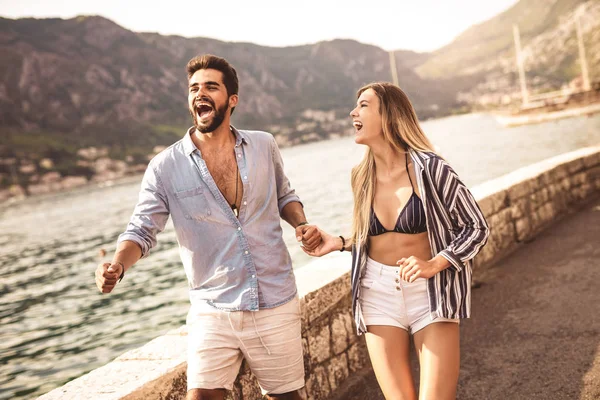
402,131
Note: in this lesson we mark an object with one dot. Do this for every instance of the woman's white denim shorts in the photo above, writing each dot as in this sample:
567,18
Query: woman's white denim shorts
388,300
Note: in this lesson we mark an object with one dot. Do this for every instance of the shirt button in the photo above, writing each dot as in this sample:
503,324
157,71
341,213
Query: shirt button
246,252
239,228
397,287
245,203
245,177
239,155
397,280
253,276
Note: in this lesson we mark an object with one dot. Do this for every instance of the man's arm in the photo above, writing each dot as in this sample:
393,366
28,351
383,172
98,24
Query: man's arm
149,218
293,214
290,207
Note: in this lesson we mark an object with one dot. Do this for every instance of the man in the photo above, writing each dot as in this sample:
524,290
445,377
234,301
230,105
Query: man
225,190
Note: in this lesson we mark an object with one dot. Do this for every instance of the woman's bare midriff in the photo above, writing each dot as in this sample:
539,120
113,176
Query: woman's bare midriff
390,247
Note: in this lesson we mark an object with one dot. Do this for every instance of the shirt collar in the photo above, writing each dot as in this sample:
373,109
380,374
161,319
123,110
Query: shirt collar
189,147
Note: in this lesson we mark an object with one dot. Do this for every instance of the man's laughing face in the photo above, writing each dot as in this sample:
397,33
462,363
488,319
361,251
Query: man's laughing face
208,101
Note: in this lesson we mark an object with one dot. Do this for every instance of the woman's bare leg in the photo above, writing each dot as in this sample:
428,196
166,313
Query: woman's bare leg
389,350
438,348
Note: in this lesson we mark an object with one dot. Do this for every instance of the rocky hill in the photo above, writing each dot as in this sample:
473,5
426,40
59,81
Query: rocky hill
485,53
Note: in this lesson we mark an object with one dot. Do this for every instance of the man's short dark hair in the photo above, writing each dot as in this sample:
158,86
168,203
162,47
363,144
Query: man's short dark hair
208,61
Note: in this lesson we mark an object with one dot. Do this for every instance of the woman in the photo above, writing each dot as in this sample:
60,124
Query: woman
415,229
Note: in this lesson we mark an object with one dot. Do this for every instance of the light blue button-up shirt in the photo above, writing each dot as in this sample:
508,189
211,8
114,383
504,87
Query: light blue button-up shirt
231,263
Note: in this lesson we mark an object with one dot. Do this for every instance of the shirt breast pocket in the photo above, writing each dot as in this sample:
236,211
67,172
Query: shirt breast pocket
193,203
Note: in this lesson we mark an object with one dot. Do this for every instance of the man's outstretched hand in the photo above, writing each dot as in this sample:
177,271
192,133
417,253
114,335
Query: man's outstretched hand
107,275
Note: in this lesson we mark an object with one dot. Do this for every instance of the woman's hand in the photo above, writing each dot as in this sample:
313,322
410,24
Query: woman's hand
413,267
328,244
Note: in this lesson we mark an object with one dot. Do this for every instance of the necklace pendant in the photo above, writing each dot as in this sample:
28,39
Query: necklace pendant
235,210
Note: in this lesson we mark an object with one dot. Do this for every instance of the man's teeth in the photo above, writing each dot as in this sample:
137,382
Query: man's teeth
357,125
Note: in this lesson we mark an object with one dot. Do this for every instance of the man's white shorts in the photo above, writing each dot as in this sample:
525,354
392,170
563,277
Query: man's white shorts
269,339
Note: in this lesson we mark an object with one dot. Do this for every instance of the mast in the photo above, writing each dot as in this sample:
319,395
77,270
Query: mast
584,68
524,94
393,68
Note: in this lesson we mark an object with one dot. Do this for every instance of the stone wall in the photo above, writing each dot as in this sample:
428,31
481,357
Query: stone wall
517,206
521,204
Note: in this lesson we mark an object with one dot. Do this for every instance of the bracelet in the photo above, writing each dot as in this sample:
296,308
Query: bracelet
343,243
123,271
302,223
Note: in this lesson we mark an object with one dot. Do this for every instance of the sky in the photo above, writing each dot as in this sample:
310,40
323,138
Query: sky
419,25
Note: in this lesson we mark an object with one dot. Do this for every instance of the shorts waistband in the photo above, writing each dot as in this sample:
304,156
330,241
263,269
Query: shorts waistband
373,263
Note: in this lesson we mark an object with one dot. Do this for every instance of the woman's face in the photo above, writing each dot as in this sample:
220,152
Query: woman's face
367,119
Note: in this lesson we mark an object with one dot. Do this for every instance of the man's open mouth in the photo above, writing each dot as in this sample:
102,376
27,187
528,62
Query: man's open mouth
357,125
204,110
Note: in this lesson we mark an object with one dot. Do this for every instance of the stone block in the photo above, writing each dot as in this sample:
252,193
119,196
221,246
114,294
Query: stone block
544,195
592,160
319,343
319,303
339,334
350,327
566,184
358,356
553,190
579,178
338,371
523,227
558,173
588,189
575,166
493,203
521,189
546,213
520,208
505,216
560,201
317,384
538,198
306,354
594,173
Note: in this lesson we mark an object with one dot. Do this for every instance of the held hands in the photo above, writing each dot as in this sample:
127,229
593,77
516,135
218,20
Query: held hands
107,275
309,236
412,268
326,245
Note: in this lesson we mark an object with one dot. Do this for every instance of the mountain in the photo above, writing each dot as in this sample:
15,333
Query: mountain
485,53
85,97
67,85
90,76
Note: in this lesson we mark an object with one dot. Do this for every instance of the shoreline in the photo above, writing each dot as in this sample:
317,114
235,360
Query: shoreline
16,201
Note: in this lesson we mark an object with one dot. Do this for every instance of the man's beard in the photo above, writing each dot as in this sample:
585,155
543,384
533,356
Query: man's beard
216,121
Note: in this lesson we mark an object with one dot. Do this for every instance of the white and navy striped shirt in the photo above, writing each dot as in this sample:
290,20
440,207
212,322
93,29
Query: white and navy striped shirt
457,230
